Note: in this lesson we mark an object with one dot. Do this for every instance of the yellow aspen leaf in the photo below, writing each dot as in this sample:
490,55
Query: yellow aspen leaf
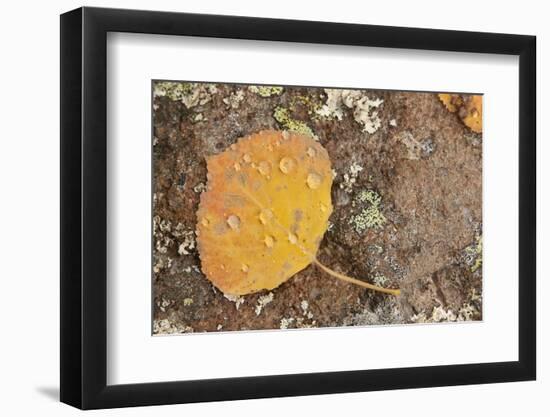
261,223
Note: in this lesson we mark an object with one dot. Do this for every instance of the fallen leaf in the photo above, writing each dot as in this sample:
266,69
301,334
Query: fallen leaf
264,212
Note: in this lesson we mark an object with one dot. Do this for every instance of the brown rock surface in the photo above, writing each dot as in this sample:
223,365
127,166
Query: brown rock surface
422,163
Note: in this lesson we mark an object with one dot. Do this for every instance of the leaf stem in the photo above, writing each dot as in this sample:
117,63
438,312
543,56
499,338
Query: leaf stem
364,284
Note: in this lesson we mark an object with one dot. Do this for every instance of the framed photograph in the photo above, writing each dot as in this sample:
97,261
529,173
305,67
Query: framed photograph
257,208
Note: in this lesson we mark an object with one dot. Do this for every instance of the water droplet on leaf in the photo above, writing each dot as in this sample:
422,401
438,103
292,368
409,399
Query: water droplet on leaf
313,180
264,167
265,216
269,241
292,238
234,222
287,165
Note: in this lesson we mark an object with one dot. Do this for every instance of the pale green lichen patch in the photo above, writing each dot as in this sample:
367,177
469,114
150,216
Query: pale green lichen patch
312,106
190,94
370,216
370,196
266,90
283,117
474,254
173,90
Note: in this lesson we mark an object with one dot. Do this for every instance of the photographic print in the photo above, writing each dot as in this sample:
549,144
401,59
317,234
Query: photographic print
292,207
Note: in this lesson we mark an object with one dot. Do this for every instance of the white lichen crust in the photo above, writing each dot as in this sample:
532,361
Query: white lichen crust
364,109
262,302
238,300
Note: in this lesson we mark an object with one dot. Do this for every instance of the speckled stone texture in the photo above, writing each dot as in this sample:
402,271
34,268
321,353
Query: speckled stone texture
422,163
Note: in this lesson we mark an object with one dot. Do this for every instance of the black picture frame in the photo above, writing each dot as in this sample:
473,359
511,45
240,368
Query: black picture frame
84,207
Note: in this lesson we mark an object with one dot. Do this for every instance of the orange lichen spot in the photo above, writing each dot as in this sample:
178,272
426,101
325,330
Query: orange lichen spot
468,107
451,101
472,113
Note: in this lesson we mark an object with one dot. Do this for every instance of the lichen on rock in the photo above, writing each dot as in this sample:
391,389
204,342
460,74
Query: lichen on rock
283,117
364,109
429,189
370,216
266,90
190,94
349,179
468,107
262,302
417,149
474,254
234,100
